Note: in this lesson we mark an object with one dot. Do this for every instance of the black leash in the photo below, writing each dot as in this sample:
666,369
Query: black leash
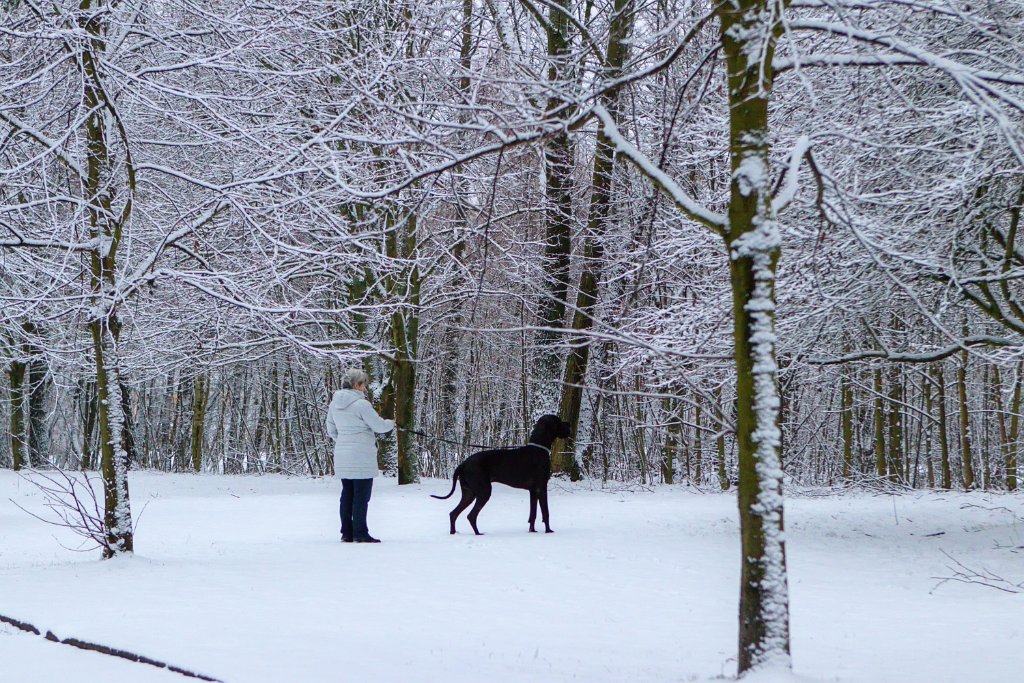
439,438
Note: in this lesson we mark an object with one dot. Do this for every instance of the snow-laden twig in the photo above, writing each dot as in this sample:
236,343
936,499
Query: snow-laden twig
983,577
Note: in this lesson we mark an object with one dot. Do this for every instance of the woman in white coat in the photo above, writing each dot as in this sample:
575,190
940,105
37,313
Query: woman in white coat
353,424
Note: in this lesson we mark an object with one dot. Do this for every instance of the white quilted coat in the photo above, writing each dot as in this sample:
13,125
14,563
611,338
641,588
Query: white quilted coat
353,423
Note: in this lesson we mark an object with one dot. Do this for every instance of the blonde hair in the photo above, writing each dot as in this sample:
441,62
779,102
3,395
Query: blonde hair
352,377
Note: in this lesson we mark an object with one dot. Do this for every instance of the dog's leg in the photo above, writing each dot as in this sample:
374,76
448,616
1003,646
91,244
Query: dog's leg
467,498
481,499
533,510
543,496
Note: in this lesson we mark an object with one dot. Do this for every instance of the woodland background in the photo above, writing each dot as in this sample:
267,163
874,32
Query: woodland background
732,243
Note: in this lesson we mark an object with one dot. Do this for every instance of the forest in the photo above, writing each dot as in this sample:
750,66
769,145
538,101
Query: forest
738,245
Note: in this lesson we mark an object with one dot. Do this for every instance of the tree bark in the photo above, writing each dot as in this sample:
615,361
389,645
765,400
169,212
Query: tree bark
106,223
1010,454
965,425
896,436
200,400
723,476
559,160
16,377
36,377
593,247
404,338
880,462
947,470
753,241
846,402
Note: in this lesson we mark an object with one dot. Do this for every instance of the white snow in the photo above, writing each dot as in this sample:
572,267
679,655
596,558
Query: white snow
243,578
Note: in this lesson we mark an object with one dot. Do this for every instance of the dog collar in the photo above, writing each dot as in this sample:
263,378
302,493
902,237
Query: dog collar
546,449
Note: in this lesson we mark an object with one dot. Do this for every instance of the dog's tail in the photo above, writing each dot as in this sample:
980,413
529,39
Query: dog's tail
455,480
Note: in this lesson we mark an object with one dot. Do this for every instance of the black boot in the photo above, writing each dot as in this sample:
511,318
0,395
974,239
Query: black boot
366,539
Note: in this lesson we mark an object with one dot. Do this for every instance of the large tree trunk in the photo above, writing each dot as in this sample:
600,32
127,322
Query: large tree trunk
106,223
117,517
753,242
451,420
943,426
593,249
404,337
559,160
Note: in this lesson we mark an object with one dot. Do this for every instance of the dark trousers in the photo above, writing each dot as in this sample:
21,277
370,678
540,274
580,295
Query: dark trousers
355,498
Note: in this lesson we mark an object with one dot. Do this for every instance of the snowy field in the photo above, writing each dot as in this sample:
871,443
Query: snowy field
244,579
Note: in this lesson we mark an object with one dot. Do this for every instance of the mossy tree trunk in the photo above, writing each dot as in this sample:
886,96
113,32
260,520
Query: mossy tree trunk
754,244
405,288
107,216
593,248
200,400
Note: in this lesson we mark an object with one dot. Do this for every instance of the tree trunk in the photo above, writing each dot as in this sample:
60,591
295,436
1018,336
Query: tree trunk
404,335
896,435
880,464
16,376
846,402
947,470
698,448
559,160
90,409
593,248
723,476
200,399
671,442
753,242
1010,454
965,425
929,460
106,222
36,377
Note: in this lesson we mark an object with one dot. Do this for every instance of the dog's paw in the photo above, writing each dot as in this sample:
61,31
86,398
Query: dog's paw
549,531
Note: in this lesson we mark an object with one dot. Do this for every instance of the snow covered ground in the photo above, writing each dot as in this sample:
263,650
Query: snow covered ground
244,579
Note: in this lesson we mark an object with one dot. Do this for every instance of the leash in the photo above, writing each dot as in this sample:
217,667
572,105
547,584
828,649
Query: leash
459,443
440,438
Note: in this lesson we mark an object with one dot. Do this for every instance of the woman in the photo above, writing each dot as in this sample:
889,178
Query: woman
352,423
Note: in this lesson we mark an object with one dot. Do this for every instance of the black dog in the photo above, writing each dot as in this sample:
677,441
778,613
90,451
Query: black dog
527,467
